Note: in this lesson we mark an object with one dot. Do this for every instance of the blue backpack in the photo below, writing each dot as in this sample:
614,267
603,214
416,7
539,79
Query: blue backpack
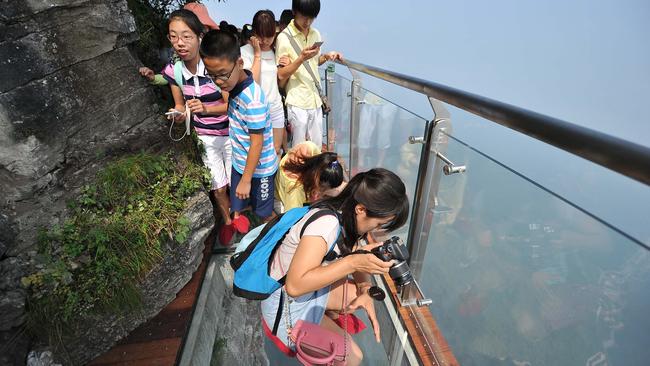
252,265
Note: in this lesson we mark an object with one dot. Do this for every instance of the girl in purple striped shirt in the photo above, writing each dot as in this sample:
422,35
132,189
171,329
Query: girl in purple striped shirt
199,96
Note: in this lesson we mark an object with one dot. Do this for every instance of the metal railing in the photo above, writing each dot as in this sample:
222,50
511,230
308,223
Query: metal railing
627,158
622,156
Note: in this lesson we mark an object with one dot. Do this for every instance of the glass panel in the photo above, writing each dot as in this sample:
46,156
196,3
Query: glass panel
383,133
339,117
521,277
384,129
590,185
382,141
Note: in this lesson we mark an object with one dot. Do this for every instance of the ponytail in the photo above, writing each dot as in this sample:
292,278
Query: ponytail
319,172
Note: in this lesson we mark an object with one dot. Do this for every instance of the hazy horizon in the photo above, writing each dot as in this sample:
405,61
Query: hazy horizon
586,62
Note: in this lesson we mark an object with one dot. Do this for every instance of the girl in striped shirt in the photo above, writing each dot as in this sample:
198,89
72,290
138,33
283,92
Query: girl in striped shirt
199,96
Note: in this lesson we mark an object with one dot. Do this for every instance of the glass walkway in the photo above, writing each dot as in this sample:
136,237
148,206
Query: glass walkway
508,272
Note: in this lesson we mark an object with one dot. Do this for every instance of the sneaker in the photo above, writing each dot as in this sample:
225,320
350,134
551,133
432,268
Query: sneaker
241,224
226,233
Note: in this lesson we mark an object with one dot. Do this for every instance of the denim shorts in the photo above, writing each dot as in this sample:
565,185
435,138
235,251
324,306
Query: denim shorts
261,196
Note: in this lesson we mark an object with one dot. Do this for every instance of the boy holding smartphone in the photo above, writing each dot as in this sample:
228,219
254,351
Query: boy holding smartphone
303,101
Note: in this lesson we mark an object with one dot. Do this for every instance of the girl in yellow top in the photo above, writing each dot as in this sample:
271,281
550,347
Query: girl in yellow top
305,175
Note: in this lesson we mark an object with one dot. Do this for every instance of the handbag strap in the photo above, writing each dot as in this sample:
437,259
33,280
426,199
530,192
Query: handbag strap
305,64
278,315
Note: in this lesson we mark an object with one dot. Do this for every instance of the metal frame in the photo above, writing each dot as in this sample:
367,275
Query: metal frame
624,157
328,119
426,190
355,101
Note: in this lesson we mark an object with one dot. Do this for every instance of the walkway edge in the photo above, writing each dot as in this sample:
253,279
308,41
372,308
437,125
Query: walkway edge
189,350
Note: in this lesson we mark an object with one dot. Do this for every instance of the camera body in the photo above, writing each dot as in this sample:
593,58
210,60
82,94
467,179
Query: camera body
394,249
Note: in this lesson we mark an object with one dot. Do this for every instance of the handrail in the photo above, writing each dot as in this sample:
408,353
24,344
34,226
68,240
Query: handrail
627,158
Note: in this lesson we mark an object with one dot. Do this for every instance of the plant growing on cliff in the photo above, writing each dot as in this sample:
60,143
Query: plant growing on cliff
92,262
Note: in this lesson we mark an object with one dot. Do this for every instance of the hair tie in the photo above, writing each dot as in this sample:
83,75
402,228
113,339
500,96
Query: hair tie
334,163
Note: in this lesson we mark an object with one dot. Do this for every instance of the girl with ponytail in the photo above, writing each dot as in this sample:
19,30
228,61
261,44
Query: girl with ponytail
306,175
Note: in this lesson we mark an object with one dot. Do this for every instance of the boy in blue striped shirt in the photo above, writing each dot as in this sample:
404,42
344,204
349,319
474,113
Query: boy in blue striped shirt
254,161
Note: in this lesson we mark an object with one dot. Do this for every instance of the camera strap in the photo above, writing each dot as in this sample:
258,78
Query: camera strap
332,255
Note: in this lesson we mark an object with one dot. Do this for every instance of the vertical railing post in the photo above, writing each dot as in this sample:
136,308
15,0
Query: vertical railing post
329,128
355,100
426,188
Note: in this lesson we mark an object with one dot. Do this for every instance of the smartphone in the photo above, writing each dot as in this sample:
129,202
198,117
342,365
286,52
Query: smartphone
316,45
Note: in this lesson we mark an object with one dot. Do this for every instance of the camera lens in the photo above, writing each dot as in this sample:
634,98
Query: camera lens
401,274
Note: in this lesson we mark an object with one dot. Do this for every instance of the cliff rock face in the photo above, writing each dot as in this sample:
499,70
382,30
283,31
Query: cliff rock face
70,99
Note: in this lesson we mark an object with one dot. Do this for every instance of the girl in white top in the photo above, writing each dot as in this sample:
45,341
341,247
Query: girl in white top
259,58
373,200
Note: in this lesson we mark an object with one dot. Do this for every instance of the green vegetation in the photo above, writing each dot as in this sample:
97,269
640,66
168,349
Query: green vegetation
92,262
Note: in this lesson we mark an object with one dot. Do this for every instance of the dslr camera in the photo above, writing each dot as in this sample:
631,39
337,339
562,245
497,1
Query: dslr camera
393,249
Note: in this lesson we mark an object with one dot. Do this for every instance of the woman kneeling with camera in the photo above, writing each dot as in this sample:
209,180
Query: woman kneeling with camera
372,200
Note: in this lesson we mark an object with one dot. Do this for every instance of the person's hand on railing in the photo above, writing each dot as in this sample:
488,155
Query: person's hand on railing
334,56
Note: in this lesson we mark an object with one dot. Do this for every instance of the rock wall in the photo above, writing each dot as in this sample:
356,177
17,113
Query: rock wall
70,99
69,95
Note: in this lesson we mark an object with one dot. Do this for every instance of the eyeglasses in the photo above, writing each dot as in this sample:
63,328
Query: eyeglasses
173,38
224,77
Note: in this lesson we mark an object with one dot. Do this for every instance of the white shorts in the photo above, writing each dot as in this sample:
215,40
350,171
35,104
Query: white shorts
306,125
277,115
217,155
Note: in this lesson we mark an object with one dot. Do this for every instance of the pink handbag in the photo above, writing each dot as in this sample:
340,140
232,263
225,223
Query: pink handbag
316,345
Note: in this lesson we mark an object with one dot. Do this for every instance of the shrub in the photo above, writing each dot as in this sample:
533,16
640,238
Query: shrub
93,262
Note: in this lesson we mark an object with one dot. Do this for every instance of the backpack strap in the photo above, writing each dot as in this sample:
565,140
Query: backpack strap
178,75
311,219
316,216
278,315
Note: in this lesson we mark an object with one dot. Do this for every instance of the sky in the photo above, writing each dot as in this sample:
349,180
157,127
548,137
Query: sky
586,62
